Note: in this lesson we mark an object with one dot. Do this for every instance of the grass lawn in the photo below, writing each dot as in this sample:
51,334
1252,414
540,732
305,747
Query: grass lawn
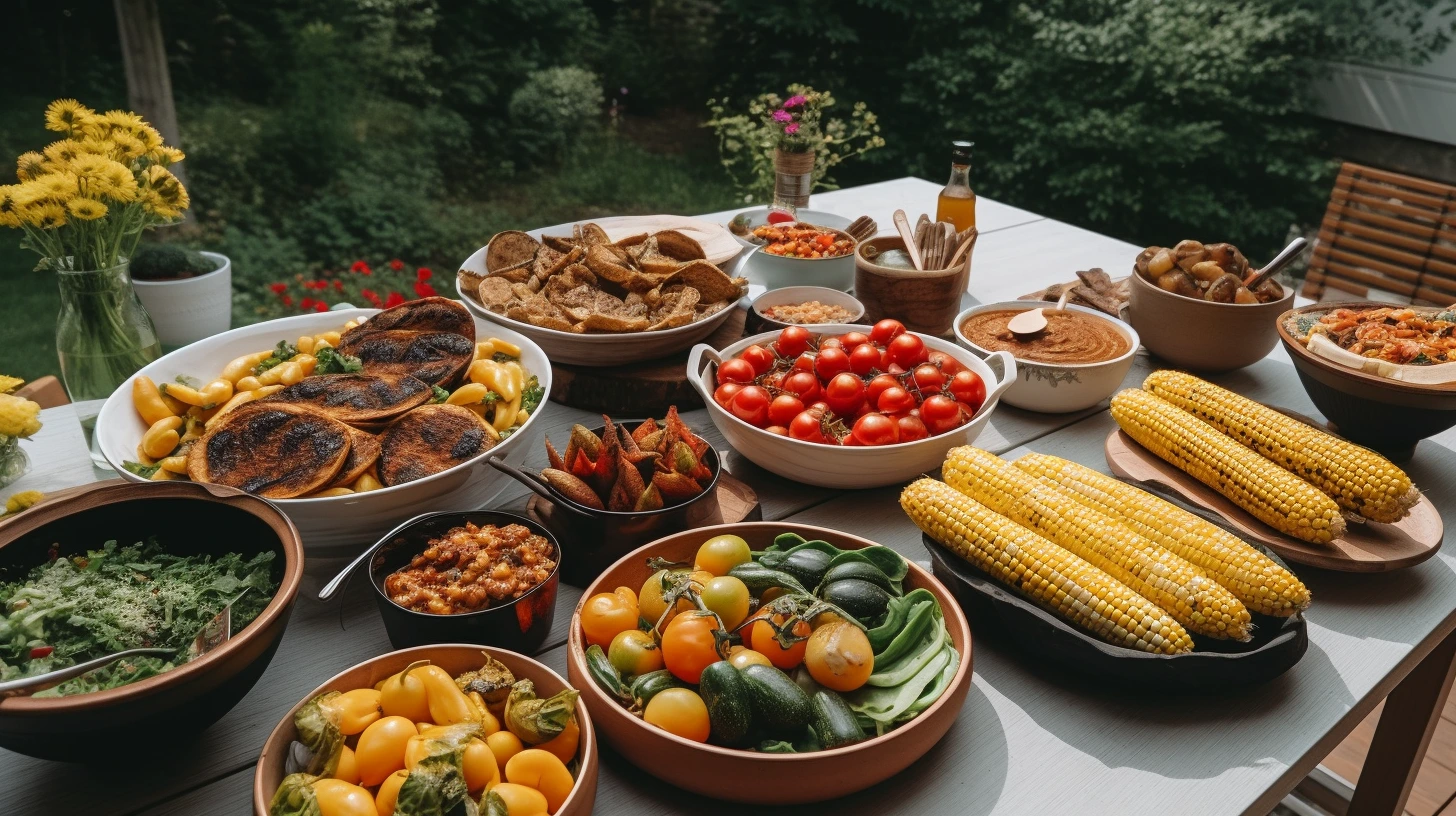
28,332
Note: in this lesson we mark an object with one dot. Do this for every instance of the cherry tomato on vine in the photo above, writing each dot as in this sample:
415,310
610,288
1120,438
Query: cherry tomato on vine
940,414
751,405
895,400
878,386
853,340
759,357
948,364
845,394
793,341
804,362
967,387
679,711
688,645
886,330
736,370
767,645
875,429
831,361
911,428
895,368
784,408
929,377
777,430
831,342
725,393
807,427
803,384
864,359
908,351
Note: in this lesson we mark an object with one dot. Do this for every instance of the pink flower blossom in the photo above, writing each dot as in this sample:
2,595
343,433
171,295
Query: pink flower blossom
792,128
783,116
794,101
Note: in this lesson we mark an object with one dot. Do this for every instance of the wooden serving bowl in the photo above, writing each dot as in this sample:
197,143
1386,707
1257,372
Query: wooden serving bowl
925,301
188,518
454,658
778,779
1202,335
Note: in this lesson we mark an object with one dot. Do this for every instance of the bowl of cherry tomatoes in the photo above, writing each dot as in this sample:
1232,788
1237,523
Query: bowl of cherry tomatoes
848,406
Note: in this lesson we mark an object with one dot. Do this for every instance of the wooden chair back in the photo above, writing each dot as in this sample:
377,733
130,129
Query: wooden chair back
1386,236
47,392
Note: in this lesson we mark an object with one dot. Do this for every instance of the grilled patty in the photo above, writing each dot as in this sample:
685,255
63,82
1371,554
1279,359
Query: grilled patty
431,314
278,451
363,453
437,358
430,439
355,398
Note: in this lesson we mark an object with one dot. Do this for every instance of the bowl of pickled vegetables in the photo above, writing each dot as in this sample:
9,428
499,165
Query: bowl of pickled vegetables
802,254
814,662
448,729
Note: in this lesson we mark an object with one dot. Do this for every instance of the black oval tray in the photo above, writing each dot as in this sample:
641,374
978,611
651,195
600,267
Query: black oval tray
1018,625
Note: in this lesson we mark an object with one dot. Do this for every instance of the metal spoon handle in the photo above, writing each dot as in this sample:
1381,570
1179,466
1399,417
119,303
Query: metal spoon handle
1289,253
332,586
41,682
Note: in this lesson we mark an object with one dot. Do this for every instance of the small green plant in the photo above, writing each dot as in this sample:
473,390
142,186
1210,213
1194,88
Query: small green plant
747,141
154,262
553,107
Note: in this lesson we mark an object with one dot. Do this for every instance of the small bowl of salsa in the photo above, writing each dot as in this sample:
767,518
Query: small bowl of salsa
801,254
1079,360
468,577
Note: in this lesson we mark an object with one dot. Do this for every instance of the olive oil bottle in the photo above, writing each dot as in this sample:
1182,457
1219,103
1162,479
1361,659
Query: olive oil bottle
957,202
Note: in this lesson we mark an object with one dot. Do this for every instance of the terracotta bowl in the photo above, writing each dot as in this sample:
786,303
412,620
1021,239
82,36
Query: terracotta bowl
778,779
454,658
1374,411
187,518
926,302
1200,335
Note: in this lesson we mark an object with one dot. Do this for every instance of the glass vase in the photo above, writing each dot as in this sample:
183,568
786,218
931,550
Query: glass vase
103,336
13,461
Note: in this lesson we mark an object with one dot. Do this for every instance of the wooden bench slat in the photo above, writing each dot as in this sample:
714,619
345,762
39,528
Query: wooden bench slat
1344,212
1435,203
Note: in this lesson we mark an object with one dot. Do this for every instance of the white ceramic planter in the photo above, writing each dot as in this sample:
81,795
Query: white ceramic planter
1059,389
190,309
834,465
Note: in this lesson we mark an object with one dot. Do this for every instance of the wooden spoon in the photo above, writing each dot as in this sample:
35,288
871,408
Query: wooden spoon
964,248
902,223
1032,322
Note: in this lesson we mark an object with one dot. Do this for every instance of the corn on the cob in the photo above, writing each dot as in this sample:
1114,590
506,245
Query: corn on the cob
1358,479
1044,573
1183,590
1253,577
1268,492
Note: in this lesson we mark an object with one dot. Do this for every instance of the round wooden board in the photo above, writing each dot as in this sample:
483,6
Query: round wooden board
1365,547
641,389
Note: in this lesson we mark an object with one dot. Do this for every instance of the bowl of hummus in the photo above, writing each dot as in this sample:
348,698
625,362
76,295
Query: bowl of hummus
1079,360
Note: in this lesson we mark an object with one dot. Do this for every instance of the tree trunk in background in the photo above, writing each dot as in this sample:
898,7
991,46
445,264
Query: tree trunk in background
148,81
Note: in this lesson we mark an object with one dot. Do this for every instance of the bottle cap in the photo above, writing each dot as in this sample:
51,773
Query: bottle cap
960,152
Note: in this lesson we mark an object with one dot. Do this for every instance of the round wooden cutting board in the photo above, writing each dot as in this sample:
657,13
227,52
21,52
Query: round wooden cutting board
1365,547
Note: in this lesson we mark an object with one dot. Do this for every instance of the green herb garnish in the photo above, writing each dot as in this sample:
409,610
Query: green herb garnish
183,379
144,471
502,357
440,395
331,361
284,352
532,395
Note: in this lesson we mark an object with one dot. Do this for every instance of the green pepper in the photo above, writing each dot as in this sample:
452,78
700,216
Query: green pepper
897,614
922,618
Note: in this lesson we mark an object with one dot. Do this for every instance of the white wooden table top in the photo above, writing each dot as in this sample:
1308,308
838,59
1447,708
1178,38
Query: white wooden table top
1027,741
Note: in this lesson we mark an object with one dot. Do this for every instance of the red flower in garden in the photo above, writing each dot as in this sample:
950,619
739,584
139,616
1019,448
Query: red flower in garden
288,300
321,307
338,285
396,264
393,300
360,267
307,303
424,289
278,288
423,274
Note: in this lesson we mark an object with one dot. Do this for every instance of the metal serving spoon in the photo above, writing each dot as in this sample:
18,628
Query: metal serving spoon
1285,256
212,634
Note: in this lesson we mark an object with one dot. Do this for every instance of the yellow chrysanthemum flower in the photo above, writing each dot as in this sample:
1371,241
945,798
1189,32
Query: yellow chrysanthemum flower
124,119
148,136
122,184
24,500
9,209
29,165
153,204
67,115
46,215
127,145
62,152
9,383
86,209
99,147
166,156
18,416
58,186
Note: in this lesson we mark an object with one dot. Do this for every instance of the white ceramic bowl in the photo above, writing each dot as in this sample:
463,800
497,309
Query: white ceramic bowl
758,216
189,309
1059,388
834,465
338,521
778,272
758,322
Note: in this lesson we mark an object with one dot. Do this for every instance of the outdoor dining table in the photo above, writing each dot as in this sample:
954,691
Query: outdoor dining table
1028,741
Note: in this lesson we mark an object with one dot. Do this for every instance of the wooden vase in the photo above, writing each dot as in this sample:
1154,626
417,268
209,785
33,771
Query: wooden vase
793,177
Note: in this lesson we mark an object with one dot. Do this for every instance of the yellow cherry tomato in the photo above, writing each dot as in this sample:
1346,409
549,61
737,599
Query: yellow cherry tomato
521,800
336,798
679,711
356,710
481,769
504,745
729,597
543,771
651,604
839,656
348,770
742,658
381,747
403,694
414,750
563,745
489,723
635,652
388,795
604,615
722,553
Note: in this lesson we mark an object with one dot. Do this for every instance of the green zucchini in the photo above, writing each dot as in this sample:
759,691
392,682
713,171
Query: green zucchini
863,570
899,614
834,722
759,578
605,674
646,686
862,599
809,566
730,707
780,707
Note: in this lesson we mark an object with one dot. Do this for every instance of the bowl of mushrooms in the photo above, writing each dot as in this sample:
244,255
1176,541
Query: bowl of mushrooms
1192,305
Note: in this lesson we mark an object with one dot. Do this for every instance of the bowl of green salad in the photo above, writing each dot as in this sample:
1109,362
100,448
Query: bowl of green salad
116,566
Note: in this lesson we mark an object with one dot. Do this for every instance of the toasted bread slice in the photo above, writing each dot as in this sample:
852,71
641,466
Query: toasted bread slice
430,439
436,358
274,450
356,398
508,249
433,314
363,453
